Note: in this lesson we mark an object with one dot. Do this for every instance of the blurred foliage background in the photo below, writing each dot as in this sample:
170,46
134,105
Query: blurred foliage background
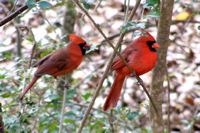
44,27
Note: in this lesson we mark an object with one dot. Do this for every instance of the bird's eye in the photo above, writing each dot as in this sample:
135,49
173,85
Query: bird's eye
150,44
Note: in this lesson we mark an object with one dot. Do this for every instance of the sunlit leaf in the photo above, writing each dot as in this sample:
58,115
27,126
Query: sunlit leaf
71,121
6,95
2,76
154,14
151,3
7,55
86,96
71,93
97,126
132,115
199,27
70,114
88,4
132,25
44,4
31,3
92,48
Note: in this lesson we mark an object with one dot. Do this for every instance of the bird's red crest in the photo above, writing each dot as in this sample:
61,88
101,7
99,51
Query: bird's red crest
76,39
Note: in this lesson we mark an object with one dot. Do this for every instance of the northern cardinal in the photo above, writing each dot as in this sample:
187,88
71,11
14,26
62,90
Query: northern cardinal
141,56
61,61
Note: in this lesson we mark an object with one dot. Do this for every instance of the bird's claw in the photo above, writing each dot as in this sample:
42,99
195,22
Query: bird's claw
67,85
132,74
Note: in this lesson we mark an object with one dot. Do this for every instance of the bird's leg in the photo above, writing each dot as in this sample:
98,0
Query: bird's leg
67,85
132,74
139,81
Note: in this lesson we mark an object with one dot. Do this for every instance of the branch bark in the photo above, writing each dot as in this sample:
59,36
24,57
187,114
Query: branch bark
63,108
159,71
13,15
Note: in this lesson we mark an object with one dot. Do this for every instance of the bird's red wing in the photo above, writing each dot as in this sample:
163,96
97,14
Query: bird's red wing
56,62
118,63
38,63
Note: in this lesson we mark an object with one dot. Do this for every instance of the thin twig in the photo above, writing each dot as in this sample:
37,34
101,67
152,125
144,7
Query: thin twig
19,38
34,43
13,15
19,42
110,61
98,4
15,3
63,109
110,119
85,78
4,8
33,48
95,8
168,99
47,20
126,5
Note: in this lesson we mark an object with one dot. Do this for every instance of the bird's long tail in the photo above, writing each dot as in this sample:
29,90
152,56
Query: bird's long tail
28,87
115,92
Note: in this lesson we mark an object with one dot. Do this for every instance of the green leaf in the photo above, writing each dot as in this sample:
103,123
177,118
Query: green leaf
30,38
132,25
132,115
6,95
31,3
7,55
151,3
70,114
88,4
146,130
69,121
71,93
2,76
53,126
92,48
97,126
86,96
155,13
198,27
44,5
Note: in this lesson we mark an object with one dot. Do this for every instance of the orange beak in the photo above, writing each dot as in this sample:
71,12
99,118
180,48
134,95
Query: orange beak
155,45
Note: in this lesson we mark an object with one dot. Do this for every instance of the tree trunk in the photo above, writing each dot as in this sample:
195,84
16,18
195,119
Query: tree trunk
159,72
69,18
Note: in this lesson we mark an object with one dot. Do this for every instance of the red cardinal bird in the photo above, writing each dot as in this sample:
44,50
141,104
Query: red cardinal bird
61,61
141,55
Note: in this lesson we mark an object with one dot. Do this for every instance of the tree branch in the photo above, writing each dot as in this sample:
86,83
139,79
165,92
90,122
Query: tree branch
13,15
159,71
63,108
